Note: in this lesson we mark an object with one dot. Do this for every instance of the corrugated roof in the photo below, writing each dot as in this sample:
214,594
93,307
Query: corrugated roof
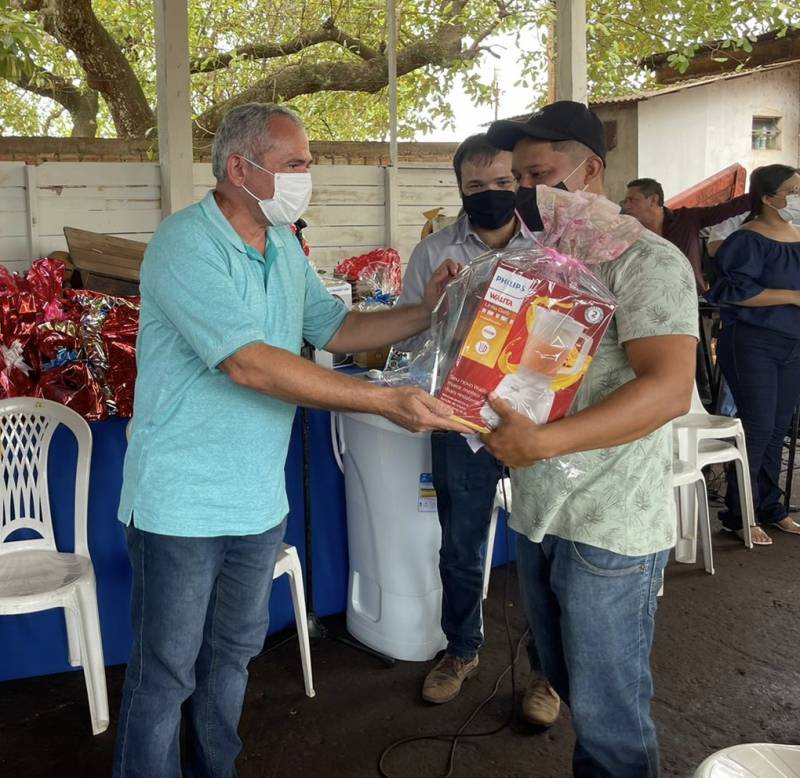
647,94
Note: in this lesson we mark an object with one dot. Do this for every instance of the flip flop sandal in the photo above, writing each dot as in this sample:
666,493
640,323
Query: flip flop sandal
756,542
795,525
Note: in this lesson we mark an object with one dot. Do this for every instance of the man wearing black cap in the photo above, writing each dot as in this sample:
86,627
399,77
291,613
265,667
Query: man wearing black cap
593,505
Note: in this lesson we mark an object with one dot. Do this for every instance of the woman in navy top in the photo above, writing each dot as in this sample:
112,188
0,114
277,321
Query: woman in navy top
758,289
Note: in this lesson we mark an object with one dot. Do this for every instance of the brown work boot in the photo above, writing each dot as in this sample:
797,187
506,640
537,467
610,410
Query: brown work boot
443,683
540,703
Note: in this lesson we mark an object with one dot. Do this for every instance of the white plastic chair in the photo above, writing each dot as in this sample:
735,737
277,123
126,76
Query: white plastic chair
34,574
699,438
288,563
502,499
752,760
686,474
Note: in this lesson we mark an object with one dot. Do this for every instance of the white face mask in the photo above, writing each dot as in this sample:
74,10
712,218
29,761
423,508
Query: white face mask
289,200
791,211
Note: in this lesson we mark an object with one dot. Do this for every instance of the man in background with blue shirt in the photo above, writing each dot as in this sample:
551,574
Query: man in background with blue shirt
227,299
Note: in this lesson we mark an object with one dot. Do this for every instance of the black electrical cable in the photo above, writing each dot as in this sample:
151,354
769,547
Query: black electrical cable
514,652
278,644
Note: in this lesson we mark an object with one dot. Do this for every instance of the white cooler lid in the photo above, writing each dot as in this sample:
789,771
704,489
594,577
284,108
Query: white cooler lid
373,420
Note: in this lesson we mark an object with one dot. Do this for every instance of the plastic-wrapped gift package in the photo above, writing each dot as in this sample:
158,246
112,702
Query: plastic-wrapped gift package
528,324
73,385
374,274
118,333
25,302
65,375
108,327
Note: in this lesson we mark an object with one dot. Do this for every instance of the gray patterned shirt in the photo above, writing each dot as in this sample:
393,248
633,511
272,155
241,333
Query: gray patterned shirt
619,499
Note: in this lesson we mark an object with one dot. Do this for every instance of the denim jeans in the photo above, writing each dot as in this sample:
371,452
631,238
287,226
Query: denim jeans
200,613
465,486
592,613
762,368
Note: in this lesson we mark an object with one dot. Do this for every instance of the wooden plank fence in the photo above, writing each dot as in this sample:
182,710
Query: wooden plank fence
347,214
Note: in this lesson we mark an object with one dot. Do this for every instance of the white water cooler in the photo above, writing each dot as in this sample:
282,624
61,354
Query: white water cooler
394,593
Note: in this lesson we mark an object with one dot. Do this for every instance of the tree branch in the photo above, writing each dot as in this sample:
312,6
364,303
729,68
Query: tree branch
81,104
328,33
475,49
441,49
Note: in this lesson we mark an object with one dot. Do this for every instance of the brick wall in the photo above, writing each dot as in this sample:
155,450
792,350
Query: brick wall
38,150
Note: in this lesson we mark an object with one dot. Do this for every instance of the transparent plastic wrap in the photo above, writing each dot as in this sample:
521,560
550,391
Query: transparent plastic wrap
526,323
376,276
523,324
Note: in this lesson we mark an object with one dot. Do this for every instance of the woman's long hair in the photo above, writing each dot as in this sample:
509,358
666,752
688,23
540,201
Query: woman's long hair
765,182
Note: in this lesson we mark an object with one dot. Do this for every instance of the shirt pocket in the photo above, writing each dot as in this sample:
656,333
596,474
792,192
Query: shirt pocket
283,311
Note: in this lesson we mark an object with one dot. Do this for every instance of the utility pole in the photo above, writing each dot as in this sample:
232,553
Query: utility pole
496,94
551,60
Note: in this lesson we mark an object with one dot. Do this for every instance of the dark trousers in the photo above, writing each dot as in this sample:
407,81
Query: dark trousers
762,368
465,486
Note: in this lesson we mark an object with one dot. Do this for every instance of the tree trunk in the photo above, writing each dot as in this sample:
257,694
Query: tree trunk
84,117
106,68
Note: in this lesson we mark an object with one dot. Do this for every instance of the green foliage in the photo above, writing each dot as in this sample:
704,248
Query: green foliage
620,35
19,43
623,33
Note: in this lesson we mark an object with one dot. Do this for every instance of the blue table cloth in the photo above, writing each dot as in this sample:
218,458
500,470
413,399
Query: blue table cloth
36,644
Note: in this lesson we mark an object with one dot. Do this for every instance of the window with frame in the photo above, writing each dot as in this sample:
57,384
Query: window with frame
766,133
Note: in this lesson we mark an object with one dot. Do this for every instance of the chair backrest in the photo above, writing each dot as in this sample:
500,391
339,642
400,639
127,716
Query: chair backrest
27,425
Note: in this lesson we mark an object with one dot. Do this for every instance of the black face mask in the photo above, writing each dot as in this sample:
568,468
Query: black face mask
528,209
490,209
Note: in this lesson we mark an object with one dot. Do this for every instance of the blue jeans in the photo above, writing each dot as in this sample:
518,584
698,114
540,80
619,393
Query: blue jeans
762,368
200,613
465,486
592,614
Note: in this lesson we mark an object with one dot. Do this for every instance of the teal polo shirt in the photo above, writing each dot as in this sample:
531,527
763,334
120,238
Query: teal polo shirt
206,457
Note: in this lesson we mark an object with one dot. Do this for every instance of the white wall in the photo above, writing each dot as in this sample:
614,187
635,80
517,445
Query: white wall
621,161
689,135
347,212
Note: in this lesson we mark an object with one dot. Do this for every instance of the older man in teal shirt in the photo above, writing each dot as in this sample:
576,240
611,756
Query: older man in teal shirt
227,299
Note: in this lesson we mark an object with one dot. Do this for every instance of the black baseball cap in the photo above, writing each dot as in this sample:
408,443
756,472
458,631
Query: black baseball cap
563,120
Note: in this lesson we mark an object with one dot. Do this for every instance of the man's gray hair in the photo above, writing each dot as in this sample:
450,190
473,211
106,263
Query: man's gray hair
245,130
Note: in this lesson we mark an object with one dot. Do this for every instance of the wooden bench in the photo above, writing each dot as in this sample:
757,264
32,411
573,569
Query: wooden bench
106,264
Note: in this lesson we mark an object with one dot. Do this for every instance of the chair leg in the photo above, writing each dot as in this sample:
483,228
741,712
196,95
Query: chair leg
745,498
295,574
686,544
487,561
705,525
72,622
94,670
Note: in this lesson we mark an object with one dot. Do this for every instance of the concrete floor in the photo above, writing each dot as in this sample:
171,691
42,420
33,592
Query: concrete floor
723,663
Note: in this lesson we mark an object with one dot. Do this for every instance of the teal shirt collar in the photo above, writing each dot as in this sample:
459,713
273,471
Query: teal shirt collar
220,223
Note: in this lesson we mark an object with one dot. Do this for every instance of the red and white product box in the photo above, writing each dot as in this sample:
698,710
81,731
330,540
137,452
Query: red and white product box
531,342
